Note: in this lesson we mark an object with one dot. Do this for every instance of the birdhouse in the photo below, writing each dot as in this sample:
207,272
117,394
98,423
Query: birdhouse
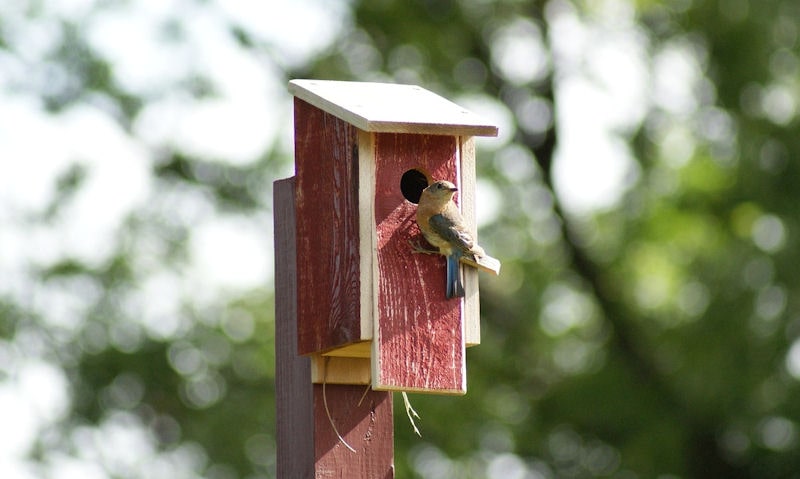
369,308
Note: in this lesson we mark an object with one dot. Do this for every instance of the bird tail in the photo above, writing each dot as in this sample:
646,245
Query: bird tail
454,286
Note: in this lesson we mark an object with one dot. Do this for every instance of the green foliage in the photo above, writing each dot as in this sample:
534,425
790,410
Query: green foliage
656,336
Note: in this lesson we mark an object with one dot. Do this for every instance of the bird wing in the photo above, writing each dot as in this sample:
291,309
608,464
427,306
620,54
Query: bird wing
452,231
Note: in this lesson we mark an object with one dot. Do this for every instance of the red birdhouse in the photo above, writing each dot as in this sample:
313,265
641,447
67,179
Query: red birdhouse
365,300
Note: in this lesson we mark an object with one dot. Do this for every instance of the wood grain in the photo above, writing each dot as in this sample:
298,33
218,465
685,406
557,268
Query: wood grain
307,446
472,325
294,395
419,337
365,423
326,160
340,370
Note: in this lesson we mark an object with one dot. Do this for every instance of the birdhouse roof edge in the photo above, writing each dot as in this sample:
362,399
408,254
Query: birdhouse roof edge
391,108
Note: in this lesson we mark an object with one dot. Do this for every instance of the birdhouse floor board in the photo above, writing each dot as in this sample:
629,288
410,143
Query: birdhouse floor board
339,370
361,349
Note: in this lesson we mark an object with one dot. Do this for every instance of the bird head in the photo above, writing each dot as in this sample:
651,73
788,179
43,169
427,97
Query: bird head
441,190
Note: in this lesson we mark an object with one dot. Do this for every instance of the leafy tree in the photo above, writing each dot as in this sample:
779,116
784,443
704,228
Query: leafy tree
647,330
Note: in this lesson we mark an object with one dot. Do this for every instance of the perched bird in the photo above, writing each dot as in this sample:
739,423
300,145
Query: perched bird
442,226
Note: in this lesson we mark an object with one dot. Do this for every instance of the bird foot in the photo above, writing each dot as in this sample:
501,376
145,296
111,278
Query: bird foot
417,248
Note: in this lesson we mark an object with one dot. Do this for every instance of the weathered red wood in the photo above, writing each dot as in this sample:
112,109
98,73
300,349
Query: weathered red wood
307,446
326,159
293,389
420,336
365,424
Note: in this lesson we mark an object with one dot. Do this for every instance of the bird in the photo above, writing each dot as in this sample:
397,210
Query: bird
442,225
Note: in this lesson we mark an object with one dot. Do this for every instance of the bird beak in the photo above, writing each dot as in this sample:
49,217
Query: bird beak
453,189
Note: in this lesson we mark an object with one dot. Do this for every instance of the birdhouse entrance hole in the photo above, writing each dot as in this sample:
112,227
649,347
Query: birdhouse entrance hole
412,183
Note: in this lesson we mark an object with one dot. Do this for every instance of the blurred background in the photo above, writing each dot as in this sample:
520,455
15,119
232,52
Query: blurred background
643,197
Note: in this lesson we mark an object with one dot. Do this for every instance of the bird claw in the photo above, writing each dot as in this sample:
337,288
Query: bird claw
417,248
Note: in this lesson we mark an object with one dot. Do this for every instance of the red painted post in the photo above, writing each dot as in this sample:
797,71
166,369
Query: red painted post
307,444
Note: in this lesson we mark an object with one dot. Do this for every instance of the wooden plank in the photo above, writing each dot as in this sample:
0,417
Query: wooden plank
365,423
419,341
391,108
484,263
327,230
307,445
293,390
339,370
472,324
366,224
361,349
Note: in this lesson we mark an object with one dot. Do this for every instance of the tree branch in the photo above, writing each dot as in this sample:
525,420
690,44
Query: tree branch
624,335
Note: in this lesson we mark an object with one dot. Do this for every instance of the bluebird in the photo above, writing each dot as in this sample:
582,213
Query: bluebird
442,226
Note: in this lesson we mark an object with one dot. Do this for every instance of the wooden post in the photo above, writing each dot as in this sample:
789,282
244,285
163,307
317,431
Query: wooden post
307,444
358,313
294,396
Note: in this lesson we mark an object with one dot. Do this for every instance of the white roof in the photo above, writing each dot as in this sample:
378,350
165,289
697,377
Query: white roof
391,108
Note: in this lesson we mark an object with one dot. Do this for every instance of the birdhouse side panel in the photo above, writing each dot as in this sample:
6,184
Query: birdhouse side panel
467,194
328,280
419,344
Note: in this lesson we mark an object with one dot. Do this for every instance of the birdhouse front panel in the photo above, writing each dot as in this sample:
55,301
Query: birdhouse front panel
327,206
419,333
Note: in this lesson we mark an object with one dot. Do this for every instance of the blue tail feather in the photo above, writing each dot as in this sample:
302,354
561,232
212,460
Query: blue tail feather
454,286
